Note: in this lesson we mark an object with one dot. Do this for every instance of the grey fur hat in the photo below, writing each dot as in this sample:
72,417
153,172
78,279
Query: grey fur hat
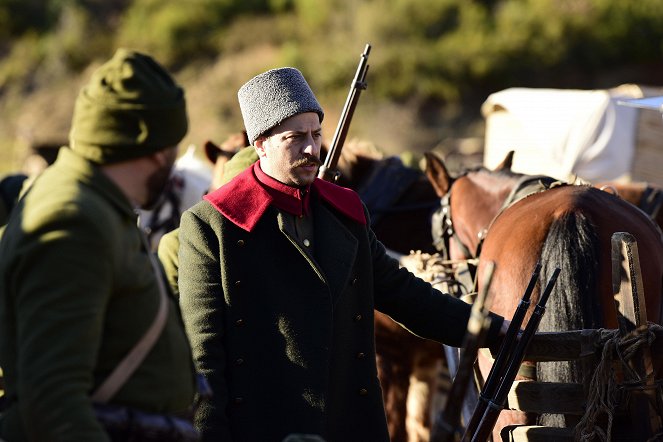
268,99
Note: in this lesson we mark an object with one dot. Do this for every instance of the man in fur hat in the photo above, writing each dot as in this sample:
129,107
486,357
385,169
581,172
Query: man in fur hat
280,274
78,288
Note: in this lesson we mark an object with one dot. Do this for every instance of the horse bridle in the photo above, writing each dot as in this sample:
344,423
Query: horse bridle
443,231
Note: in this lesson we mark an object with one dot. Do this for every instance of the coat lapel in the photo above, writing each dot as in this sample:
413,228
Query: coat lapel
335,248
286,228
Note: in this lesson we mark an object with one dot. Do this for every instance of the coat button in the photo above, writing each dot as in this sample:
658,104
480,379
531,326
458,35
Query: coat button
238,400
239,361
360,355
363,392
307,243
240,242
239,322
358,318
355,281
238,283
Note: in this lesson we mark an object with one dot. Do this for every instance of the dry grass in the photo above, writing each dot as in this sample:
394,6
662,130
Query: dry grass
44,115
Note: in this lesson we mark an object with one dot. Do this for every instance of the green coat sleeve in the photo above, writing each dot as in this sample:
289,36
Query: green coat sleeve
63,288
202,303
413,303
169,245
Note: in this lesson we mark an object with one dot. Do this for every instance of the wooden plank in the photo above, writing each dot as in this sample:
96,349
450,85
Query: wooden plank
571,345
631,309
562,346
547,397
536,433
627,285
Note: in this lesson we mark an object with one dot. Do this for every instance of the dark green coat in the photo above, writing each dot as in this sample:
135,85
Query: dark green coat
10,189
286,339
77,291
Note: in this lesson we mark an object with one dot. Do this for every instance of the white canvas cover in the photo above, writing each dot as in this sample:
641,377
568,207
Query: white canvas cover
563,133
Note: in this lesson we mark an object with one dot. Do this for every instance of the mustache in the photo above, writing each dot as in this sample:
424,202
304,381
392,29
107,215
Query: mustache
307,160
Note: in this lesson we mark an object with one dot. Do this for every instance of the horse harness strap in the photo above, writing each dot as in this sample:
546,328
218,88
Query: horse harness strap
529,185
385,185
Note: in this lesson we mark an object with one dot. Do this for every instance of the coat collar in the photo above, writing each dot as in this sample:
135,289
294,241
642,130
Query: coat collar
293,200
246,198
91,175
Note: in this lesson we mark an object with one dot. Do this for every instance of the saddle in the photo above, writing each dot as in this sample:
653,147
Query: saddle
385,185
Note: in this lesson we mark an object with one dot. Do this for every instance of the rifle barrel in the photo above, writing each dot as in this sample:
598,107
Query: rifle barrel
505,351
326,171
496,405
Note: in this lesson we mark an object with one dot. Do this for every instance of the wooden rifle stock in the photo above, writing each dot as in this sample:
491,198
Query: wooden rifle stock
506,349
498,400
327,171
447,423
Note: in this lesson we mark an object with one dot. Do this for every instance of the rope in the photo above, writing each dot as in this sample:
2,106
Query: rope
604,390
436,270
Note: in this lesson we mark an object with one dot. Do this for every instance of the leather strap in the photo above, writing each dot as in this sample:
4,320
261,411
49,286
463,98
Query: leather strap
135,357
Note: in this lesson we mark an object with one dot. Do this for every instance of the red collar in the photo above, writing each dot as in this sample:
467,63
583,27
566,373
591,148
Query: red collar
247,196
287,198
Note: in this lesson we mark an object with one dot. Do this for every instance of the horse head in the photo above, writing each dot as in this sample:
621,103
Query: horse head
478,196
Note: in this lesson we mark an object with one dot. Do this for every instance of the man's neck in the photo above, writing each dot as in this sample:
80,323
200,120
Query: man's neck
129,177
294,200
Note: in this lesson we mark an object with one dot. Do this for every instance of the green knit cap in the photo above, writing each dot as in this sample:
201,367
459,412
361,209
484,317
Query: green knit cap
130,108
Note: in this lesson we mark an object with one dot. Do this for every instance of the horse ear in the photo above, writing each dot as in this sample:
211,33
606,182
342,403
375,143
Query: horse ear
437,174
507,162
212,151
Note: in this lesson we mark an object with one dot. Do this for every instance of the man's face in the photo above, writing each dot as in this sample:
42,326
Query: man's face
159,179
291,153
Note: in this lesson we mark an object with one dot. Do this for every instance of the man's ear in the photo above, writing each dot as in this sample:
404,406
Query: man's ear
259,146
163,157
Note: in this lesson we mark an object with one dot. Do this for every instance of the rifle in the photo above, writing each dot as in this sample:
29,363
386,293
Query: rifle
327,171
503,354
447,423
496,404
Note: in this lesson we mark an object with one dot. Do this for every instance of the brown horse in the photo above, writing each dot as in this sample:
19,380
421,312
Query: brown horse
400,199
560,225
646,196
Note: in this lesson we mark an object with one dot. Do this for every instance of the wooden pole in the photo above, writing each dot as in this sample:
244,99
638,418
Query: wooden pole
629,297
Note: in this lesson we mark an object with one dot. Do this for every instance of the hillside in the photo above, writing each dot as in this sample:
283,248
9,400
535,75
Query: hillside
432,63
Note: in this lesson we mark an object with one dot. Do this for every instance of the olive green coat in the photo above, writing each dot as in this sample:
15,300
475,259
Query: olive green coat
287,339
169,243
77,291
